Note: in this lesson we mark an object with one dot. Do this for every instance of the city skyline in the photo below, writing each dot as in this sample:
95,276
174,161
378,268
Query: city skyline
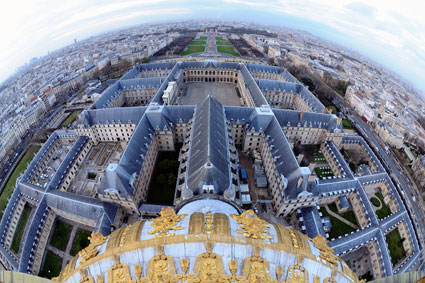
193,130
380,32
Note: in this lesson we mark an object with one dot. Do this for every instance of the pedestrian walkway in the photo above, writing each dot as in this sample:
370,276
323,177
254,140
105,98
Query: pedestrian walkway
341,218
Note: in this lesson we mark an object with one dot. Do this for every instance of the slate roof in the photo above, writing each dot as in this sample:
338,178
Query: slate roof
209,155
119,177
296,88
116,89
253,88
127,115
284,159
312,222
292,118
39,157
238,115
67,162
133,73
272,69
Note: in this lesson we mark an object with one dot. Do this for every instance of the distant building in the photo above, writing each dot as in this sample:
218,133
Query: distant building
359,102
35,111
389,135
48,98
274,51
19,125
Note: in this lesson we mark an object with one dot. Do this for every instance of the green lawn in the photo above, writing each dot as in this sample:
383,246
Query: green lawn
385,210
346,124
163,183
20,229
193,49
395,245
228,49
339,228
20,168
60,235
52,266
198,42
80,241
218,38
70,118
223,42
319,158
349,215
203,37
323,172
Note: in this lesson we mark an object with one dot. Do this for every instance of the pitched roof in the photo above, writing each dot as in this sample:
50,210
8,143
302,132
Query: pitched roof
209,151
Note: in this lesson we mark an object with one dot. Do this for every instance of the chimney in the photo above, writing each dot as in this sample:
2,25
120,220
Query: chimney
301,115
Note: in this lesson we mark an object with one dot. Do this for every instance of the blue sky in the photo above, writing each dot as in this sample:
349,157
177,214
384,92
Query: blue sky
391,32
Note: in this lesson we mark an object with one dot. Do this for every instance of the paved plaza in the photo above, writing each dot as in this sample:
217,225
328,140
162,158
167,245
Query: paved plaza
198,91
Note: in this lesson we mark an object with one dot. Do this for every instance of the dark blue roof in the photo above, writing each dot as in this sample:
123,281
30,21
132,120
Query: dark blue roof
208,162
67,163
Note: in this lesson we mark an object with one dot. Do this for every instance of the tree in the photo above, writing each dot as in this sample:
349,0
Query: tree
308,82
124,64
271,61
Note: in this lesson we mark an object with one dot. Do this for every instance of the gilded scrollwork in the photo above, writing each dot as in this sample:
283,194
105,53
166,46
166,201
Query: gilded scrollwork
256,270
119,272
96,239
161,268
252,226
138,271
124,235
167,221
326,252
208,267
85,278
297,273
209,222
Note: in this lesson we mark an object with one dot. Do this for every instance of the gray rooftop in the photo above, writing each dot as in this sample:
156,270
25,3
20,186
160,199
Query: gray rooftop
127,115
209,155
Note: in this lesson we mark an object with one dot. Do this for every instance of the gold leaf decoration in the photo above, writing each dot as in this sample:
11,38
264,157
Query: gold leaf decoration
326,252
167,221
253,226
96,239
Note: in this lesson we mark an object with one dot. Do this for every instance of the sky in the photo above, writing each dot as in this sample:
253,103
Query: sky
390,32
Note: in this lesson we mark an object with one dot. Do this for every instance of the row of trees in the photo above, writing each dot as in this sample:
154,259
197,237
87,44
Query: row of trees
251,31
245,49
325,88
176,46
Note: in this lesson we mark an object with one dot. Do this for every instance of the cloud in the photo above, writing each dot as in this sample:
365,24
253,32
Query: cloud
391,32
362,9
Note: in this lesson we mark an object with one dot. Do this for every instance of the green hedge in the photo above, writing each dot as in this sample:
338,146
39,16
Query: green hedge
20,229
60,235
80,241
52,265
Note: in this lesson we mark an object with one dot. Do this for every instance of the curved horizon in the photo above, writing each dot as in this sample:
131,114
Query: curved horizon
391,34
